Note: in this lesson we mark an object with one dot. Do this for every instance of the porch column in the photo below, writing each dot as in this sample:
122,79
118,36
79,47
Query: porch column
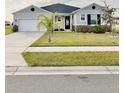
75,22
71,22
64,22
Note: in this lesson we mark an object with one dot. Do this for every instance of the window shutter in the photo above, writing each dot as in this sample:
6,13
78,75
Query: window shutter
99,19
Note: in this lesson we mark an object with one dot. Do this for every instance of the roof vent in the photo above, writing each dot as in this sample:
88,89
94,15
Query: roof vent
32,9
93,7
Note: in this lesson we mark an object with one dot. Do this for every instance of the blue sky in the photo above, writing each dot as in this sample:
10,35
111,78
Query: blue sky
14,5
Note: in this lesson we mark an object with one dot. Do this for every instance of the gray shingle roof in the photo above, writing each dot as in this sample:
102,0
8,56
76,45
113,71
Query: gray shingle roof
60,8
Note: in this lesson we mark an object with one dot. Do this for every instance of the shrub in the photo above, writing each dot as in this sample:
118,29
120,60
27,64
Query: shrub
56,29
15,28
89,29
116,30
99,29
84,29
61,29
106,28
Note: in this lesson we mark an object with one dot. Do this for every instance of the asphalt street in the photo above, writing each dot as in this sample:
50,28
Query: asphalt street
62,84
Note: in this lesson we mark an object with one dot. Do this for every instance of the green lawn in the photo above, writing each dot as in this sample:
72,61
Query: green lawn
8,30
71,58
76,39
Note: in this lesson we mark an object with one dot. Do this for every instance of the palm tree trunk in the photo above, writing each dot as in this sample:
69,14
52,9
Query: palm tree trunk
49,37
52,31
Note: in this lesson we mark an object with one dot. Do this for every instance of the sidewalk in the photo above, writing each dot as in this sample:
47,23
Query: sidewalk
16,43
69,49
76,70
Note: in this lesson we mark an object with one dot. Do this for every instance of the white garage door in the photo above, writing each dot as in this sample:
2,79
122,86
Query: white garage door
29,25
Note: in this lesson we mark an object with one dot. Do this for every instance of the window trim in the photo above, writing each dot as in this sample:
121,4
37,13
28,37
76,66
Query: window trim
82,16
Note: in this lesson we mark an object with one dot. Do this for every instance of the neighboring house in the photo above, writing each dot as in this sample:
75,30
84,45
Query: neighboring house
27,19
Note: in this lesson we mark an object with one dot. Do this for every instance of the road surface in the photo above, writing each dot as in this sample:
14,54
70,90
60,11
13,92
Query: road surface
62,84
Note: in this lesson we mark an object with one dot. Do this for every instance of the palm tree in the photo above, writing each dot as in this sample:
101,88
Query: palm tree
58,25
48,23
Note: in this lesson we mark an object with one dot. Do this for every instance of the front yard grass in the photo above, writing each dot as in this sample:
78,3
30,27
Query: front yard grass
71,58
77,39
8,30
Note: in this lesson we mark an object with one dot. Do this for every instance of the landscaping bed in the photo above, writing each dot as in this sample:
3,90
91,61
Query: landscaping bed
77,39
8,30
71,58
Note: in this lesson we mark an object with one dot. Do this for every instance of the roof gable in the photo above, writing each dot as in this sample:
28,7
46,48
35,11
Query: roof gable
93,4
60,8
83,3
28,9
89,7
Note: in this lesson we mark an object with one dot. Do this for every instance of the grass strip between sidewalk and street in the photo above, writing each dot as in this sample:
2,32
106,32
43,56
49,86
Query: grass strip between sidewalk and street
71,58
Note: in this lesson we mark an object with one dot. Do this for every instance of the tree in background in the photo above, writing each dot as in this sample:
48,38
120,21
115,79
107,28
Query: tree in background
108,16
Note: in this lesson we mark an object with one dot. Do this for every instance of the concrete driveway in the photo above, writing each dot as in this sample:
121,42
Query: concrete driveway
16,43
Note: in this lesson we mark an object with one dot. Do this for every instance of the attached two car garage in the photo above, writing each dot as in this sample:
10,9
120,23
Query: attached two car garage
29,25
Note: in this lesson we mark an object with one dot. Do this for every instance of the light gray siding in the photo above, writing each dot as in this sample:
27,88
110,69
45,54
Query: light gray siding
28,14
85,11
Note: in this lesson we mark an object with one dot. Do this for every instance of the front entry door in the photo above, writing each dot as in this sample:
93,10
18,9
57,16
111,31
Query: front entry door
89,19
67,22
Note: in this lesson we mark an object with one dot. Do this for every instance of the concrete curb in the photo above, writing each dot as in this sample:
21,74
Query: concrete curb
78,70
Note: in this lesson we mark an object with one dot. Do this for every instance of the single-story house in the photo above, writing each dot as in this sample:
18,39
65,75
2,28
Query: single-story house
27,19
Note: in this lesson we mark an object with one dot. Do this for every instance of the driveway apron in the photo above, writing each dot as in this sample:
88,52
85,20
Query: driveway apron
16,43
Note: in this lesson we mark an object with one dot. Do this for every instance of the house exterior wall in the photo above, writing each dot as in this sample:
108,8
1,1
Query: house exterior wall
75,17
27,14
87,10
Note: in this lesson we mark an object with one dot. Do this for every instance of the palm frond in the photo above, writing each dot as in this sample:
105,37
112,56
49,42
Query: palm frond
46,21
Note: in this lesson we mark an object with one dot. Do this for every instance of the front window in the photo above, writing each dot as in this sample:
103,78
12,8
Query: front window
59,18
82,17
93,19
